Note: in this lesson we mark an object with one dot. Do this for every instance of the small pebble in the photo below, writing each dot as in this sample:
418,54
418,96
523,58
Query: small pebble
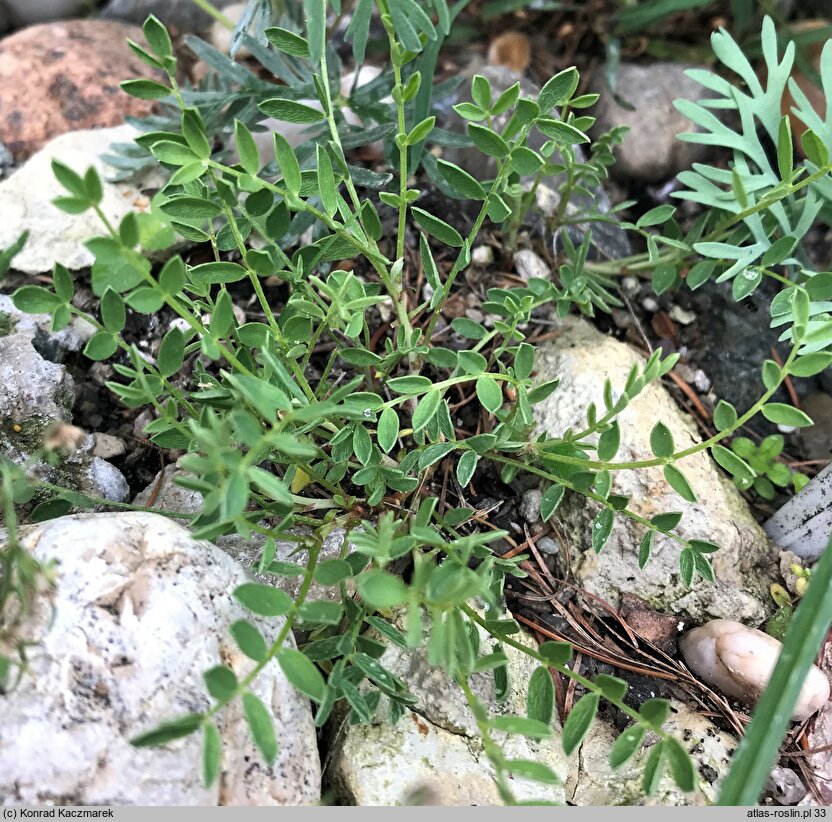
739,661
621,318
108,446
527,264
530,505
143,419
785,786
630,285
649,304
475,315
682,316
685,372
548,546
701,381
482,255
511,49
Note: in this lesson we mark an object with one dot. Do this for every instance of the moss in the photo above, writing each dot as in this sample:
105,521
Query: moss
25,436
7,324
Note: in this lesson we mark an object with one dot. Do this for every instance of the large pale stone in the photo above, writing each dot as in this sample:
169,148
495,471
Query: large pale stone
593,782
55,236
164,494
437,747
746,563
140,610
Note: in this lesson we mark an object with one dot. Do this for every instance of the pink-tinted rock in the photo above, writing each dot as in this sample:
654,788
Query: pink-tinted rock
64,76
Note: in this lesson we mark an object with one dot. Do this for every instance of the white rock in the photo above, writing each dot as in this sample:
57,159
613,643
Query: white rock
141,610
746,563
107,446
593,782
630,284
163,494
33,391
549,546
681,315
99,478
701,381
37,328
482,255
804,523
739,661
527,264
439,747
166,495
26,201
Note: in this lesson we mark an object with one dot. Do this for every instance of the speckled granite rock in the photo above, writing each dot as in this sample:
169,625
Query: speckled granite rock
140,611
36,393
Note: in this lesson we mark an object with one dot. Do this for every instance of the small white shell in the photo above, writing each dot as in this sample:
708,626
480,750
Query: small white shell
738,660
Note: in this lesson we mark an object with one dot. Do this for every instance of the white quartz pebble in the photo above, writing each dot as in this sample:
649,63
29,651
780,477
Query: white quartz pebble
739,660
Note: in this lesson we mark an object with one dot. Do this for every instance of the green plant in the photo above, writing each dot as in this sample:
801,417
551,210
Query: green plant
768,470
280,433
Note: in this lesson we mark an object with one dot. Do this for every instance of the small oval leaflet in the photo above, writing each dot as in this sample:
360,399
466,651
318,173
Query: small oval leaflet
260,724
302,673
579,721
540,700
263,599
249,640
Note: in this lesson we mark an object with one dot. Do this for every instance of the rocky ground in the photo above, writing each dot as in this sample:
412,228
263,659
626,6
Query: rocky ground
138,602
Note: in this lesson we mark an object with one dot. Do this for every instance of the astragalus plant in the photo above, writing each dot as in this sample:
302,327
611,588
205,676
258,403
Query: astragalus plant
318,417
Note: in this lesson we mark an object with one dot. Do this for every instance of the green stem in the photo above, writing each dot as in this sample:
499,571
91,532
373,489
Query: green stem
678,455
533,469
209,9
491,748
642,262
291,616
565,671
472,235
